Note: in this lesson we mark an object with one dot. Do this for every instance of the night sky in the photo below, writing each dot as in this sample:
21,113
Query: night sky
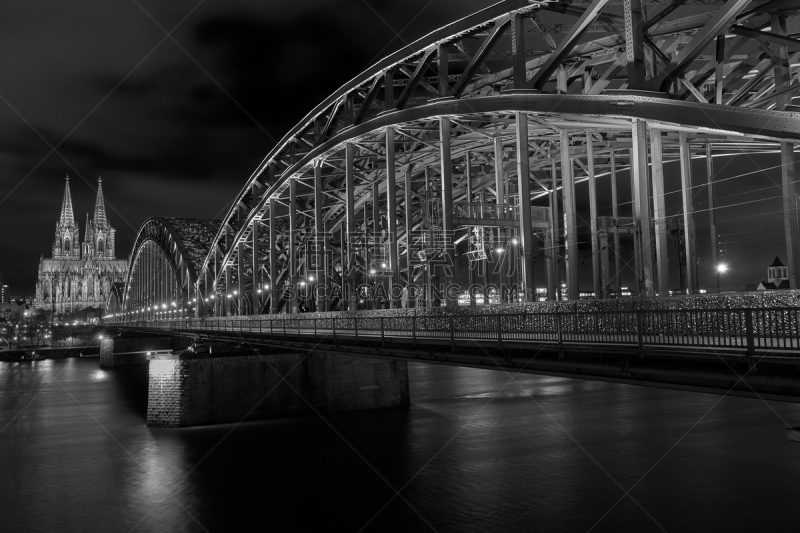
96,88
176,124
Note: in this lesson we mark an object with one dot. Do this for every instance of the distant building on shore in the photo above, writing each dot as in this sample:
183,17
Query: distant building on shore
3,291
79,276
777,277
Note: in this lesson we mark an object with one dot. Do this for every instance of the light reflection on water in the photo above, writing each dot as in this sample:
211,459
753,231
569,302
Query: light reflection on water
543,453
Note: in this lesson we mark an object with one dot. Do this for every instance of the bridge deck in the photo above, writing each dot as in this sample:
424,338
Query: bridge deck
772,331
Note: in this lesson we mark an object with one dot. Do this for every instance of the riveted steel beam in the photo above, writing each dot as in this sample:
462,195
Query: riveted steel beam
718,23
570,40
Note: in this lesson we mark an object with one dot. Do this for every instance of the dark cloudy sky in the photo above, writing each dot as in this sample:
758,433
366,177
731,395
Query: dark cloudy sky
174,127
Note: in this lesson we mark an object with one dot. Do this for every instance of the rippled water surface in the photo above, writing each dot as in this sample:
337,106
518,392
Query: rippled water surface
476,451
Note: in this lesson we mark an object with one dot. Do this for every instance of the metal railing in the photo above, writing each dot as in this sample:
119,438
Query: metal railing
740,330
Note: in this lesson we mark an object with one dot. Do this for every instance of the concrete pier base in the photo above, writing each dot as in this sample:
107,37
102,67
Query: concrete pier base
192,389
118,352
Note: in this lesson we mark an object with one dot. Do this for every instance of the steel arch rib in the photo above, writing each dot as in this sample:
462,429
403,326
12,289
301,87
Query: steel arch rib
149,232
768,124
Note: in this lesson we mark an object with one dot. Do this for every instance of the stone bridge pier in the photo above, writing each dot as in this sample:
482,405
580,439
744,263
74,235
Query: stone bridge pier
188,389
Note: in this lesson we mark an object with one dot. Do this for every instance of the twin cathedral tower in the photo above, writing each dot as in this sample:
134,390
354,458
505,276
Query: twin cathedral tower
80,275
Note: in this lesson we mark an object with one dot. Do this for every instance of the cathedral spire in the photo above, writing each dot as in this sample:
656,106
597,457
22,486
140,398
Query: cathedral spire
67,217
100,206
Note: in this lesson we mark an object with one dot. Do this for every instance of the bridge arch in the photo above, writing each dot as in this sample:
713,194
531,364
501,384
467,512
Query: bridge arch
428,141
163,276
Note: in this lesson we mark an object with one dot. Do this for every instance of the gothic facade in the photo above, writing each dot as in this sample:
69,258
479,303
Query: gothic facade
80,275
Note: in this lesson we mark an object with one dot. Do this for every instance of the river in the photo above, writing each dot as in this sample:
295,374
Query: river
477,451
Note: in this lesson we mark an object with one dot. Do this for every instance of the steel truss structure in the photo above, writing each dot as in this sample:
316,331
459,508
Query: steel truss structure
470,143
165,266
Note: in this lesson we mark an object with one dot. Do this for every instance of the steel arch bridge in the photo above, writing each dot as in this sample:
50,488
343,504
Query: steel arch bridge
469,143
165,266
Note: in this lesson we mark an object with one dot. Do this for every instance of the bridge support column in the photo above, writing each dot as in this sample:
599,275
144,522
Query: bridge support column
448,228
348,246
188,390
641,206
292,303
256,292
391,217
525,229
273,260
553,282
228,284
409,242
468,197
789,189
320,238
597,286
378,291
500,187
240,306
660,213
688,213
615,215
570,218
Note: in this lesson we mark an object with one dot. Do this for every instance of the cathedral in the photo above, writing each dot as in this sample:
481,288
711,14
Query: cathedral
80,275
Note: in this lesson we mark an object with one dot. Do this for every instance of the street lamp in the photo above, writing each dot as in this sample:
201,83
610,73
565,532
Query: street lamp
721,269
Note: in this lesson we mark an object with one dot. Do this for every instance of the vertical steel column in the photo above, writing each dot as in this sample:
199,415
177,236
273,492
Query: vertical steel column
553,282
427,223
637,259
292,262
524,191
256,292
483,198
712,215
570,218
688,216
256,295
718,69
599,289
348,265
615,216
781,70
789,189
320,272
470,266
391,218
227,267
273,260
448,229
641,205
216,301
377,302
659,212
409,241
240,277
501,210
518,49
